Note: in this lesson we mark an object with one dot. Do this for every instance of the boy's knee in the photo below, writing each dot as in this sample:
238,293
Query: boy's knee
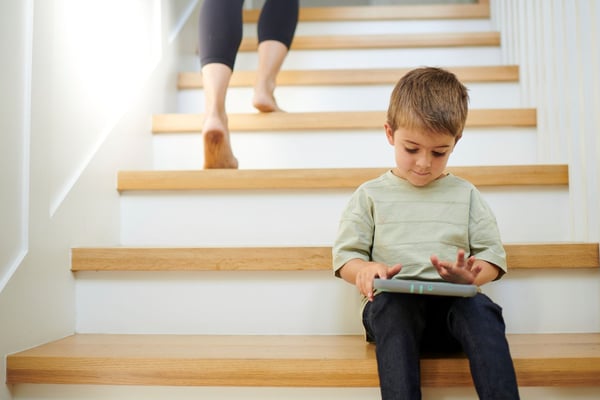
476,309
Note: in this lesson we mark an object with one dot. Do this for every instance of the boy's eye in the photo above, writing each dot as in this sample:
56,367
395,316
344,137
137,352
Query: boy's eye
411,151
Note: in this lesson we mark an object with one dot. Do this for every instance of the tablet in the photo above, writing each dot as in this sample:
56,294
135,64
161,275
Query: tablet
425,287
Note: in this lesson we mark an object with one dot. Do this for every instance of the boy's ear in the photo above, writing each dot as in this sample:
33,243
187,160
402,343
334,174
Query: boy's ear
389,133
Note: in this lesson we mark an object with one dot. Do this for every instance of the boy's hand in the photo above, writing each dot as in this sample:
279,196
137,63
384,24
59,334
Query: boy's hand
461,271
371,270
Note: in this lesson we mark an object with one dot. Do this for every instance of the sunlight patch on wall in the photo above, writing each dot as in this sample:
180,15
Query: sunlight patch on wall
108,45
107,51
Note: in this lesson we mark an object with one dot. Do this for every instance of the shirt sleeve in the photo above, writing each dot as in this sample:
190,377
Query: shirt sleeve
355,232
484,236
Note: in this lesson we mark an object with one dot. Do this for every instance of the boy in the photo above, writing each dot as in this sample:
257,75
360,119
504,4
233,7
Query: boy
405,225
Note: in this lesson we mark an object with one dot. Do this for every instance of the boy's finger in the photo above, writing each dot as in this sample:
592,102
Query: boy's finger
460,258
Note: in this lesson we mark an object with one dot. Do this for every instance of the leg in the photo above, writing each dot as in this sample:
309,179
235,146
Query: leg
220,31
271,54
477,324
396,322
215,132
276,28
220,34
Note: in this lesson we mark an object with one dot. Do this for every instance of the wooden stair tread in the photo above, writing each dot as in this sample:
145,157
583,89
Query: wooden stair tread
327,178
386,41
382,13
500,73
519,256
293,361
333,120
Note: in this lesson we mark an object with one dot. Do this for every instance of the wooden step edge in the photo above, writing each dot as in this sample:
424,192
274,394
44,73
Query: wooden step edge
566,360
385,41
374,13
379,76
333,178
519,256
334,120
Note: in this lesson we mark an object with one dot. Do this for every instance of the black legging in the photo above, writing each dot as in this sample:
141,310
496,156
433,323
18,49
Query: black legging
220,27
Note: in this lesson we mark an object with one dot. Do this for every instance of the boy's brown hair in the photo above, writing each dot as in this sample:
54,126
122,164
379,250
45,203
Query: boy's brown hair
431,100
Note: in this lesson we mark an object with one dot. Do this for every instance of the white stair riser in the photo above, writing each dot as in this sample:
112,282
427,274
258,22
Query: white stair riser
216,303
345,98
341,149
304,302
368,58
381,58
307,218
549,301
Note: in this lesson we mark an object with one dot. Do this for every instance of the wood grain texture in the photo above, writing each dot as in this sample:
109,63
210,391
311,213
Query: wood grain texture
332,77
331,120
519,256
385,41
332,178
292,361
383,13
552,255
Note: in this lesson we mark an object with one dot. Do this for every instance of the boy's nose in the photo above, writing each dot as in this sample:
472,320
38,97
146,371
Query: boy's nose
424,161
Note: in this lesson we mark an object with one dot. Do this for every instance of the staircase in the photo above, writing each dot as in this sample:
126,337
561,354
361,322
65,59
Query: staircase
222,282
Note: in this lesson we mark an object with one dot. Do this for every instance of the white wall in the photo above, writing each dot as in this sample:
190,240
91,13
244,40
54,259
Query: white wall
98,70
14,114
557,46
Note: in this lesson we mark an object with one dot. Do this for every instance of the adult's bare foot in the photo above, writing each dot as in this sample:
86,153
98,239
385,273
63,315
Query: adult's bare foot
217,147
265,102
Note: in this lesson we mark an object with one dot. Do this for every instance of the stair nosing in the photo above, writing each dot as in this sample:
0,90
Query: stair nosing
292,361
386,41
328,178
355,77
331,120
383,12
539,256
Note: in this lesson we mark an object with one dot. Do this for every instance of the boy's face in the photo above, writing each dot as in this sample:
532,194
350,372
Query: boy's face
421,158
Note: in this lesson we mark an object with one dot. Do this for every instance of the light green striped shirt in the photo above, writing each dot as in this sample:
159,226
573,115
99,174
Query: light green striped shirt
389,220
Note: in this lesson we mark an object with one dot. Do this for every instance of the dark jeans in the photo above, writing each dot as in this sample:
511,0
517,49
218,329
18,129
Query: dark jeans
403,326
